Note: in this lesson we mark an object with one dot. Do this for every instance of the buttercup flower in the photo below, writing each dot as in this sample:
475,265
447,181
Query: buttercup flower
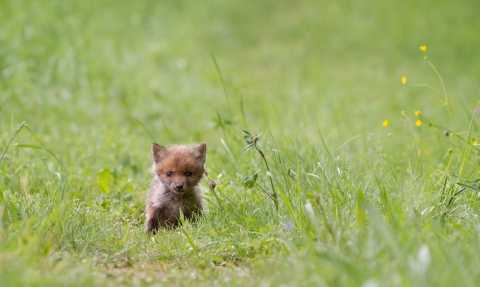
402,113
418,123
474,143
404,80
417,113
385,123
423,48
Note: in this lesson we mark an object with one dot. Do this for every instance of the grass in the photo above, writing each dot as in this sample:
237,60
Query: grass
85,88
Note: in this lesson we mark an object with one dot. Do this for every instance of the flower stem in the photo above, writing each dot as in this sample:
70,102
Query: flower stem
274,192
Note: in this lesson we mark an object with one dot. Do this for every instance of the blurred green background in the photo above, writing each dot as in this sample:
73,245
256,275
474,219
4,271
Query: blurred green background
77,68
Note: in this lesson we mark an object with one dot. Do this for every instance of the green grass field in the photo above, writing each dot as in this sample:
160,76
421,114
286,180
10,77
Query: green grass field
87,86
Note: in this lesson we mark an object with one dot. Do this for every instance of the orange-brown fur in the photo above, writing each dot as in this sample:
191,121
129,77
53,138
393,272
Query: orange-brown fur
177,171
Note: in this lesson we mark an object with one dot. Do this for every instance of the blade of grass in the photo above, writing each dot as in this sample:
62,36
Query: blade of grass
222,81
15,132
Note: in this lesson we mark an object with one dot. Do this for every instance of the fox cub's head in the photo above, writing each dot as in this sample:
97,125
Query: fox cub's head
179,167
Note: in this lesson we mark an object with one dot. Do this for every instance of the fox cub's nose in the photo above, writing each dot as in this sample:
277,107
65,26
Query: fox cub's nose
179,186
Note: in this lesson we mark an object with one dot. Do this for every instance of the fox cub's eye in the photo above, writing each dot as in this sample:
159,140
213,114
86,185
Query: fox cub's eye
169,173
188,173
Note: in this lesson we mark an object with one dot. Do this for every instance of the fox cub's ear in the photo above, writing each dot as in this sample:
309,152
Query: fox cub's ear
199,152
158,152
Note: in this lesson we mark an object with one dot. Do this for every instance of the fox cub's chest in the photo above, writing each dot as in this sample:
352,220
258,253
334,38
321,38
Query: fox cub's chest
185,204
176,207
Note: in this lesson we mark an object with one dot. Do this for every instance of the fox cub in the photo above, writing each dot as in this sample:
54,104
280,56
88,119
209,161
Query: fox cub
177,171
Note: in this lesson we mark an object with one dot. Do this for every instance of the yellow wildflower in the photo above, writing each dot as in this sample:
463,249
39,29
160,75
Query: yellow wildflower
423,48
402,113
404,80
417,113
474,143
418,123
385,123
